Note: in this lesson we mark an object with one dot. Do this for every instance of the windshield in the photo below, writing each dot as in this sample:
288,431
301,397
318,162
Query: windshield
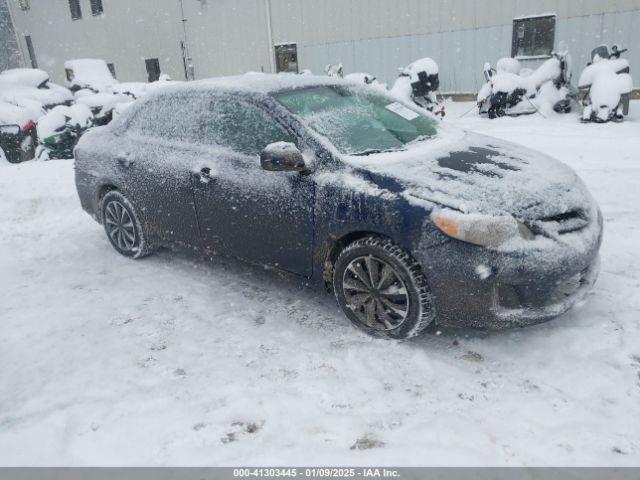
358,123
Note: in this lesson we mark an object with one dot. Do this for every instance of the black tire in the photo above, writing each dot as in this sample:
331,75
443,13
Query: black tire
410,289
128,237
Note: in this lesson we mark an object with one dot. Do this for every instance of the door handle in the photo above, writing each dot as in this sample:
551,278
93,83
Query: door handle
124,161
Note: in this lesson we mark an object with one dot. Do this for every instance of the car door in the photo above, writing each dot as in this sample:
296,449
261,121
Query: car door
155,159
244,211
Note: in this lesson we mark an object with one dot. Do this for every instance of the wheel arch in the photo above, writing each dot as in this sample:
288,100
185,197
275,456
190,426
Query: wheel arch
338,244
102,191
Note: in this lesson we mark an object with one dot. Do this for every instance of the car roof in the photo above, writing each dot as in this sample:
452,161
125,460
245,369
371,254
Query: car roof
254,83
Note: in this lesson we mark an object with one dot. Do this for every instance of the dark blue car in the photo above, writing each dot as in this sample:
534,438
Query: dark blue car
409,221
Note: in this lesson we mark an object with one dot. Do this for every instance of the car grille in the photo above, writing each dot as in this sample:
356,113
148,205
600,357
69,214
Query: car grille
561,224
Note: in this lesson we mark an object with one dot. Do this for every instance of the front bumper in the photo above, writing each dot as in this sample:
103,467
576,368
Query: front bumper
477,287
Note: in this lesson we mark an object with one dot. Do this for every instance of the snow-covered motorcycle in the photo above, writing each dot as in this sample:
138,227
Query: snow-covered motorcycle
512,90
60,129
606,84
418,83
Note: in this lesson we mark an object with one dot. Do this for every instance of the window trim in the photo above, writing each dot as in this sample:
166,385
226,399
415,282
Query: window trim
531,18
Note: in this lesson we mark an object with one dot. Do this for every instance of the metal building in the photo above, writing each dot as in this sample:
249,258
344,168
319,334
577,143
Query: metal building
205,38
9,53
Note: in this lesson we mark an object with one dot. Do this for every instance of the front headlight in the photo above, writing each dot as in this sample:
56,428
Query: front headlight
478,229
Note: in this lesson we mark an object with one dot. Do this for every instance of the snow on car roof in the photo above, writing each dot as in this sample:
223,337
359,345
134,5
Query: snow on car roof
256,82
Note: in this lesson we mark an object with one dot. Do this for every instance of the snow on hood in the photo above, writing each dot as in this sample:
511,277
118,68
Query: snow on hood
478,174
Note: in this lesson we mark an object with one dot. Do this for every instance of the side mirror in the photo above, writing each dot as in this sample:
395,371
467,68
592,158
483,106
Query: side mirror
282,157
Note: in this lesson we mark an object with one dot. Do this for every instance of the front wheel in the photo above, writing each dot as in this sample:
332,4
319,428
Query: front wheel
382,290
123,227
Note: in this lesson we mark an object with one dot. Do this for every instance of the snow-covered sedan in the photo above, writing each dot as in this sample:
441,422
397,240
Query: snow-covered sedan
410,222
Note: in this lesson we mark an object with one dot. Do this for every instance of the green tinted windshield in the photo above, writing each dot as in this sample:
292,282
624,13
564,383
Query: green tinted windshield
358,123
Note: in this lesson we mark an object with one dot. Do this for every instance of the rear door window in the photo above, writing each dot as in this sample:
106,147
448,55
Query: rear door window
172,117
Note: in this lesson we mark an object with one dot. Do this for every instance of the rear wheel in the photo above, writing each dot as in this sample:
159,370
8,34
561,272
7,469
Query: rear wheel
123,227
382,290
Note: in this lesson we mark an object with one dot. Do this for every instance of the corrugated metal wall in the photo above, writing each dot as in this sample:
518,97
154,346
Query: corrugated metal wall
379,36
227,37
127,33
375,36
9,53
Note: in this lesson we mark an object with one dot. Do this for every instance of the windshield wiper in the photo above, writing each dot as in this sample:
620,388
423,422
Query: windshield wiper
419,139
373,151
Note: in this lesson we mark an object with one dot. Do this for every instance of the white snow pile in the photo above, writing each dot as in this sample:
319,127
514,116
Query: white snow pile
608,87
508,82
547,72
51,95
31,89
607,84
508,65
32,108
402,87
57,118
89,72
541,93
602,66
25,77
104,101
136,90
363,79
427,65
511,76
13,115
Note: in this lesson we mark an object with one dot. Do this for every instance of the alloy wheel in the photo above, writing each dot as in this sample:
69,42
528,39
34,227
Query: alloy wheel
375,292
120,227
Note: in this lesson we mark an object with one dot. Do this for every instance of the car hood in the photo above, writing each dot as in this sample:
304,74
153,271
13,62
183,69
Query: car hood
478,174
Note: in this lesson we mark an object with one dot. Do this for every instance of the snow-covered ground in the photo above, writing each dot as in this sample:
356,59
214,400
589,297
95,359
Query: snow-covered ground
176,360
